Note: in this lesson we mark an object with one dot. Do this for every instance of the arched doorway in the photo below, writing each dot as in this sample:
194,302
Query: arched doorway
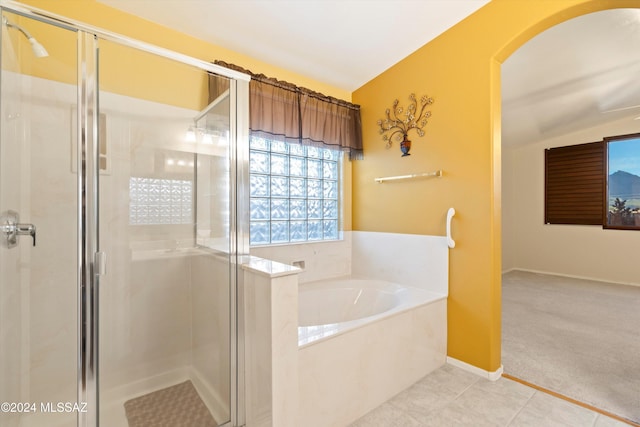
590,108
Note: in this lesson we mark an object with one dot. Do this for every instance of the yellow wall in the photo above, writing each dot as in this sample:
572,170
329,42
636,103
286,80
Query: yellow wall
102,16
136,73
461,70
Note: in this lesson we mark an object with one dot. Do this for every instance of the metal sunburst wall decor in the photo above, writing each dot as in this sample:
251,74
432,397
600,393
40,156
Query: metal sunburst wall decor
400,121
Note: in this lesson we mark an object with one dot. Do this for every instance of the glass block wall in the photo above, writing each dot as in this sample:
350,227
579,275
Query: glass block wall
160,201
294,193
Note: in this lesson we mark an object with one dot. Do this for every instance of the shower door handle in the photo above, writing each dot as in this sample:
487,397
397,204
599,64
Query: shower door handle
11,228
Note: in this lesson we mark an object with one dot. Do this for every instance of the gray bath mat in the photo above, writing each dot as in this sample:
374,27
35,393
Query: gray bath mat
175,406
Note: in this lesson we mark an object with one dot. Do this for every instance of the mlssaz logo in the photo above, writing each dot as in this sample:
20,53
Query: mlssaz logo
65,407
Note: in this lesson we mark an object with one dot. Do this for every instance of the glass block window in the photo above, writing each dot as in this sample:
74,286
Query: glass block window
160,201
294,192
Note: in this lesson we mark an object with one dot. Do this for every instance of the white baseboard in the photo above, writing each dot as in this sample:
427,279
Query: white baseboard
571,276
491,376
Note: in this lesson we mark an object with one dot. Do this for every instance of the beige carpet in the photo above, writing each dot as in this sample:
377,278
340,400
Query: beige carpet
175,406
579,338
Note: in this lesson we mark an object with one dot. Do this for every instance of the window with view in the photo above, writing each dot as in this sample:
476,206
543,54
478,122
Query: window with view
623,182
294,192
594,184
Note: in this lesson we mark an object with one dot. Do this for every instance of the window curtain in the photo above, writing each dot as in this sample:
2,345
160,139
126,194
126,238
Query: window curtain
284,111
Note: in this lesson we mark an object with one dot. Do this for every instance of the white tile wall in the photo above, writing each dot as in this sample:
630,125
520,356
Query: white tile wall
13,275
323,260
407,259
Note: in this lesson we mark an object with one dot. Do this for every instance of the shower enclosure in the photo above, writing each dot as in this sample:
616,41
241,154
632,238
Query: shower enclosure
123,216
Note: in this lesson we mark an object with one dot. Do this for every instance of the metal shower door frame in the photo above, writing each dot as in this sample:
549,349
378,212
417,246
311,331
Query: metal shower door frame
91,261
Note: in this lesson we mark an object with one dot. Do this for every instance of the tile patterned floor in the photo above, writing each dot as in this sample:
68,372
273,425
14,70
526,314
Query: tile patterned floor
451,396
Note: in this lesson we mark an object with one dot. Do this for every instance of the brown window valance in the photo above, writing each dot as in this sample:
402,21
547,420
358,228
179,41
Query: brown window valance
296,114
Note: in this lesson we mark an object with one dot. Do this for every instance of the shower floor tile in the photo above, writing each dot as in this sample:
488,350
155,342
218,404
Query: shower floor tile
175,406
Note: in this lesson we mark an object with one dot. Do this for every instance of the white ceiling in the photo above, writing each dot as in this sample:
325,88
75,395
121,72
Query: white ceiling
344,43
571,76
565,79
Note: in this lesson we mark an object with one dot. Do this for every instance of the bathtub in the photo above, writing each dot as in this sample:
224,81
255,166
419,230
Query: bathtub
362,341
331,307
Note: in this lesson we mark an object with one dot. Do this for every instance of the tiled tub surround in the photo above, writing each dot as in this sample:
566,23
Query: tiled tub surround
413,260
343,377
369,360
323,260
364,362
399,258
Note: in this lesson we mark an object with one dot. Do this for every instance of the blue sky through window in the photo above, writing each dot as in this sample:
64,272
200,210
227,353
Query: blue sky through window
625,156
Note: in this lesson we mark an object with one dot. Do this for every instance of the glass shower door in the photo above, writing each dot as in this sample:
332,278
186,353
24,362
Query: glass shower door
38,220
167,229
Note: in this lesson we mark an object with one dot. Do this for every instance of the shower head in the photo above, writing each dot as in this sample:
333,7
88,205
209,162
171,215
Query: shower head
38,50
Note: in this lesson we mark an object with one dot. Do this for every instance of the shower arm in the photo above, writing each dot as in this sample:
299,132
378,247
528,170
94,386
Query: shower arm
6,22
38,50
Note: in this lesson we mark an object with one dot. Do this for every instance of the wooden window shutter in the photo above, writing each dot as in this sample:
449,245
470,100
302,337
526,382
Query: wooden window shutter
574,184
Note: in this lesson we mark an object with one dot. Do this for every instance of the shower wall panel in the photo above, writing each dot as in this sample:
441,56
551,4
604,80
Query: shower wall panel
53,208
38,287
13,284
165,305
210,331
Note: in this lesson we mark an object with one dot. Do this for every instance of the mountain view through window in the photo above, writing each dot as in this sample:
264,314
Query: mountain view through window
623,195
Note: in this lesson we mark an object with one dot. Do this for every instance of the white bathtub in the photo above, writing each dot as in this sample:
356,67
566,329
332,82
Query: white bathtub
360,342
331,307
